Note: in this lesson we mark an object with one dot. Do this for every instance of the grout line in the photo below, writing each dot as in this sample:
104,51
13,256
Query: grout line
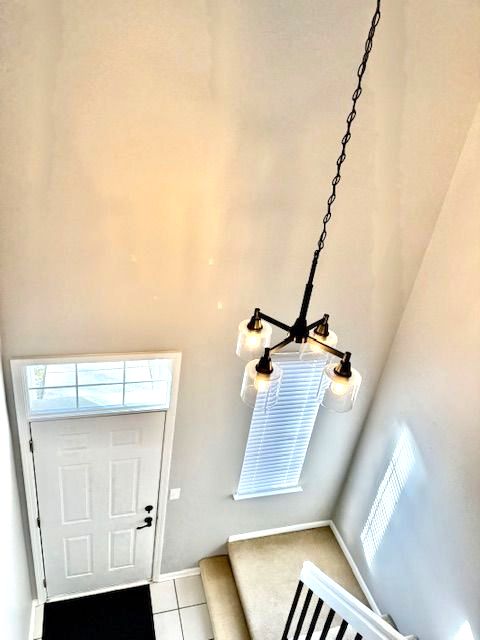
189,606
178,610
176,594
159,613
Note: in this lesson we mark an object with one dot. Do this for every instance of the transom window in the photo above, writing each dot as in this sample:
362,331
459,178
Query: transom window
95,386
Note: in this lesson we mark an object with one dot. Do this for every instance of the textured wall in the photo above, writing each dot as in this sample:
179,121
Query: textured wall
426,570
160,158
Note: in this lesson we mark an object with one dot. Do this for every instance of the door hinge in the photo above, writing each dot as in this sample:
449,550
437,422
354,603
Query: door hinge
31,445
38,523
45,583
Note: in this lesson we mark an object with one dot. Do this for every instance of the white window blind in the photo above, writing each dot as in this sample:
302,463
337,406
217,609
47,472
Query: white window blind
278,439
388,495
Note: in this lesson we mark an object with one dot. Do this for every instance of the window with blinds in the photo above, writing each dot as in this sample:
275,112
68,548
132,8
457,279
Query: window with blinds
278,439
388,495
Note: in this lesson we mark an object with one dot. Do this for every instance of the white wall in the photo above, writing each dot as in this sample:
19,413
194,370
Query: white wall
426,572
143,139
15,592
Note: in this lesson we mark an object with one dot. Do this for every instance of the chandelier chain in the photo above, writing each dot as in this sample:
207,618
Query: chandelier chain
350,118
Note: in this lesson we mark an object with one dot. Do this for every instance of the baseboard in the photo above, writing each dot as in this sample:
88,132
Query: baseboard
273,532
354,568
175,575
31,629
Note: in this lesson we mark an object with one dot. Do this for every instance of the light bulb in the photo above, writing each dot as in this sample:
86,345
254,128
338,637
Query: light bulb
263,386
339,388
338,393
262,382
311,349
252,340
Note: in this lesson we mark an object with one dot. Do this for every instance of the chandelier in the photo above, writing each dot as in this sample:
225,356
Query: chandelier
340,382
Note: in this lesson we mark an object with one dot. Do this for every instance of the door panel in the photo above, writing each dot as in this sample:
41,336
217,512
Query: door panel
95,477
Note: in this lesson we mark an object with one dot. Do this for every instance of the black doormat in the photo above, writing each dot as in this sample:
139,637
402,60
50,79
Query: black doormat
117,615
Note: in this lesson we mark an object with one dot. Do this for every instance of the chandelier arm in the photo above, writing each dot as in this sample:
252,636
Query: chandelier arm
314,324
328,348
282,344
350,118
277,323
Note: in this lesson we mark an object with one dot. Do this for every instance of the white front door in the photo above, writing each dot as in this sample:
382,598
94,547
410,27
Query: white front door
97,481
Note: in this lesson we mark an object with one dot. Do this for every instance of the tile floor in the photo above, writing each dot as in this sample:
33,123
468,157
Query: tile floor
179,611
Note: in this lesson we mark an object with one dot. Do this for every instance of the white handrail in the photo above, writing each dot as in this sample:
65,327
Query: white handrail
361,618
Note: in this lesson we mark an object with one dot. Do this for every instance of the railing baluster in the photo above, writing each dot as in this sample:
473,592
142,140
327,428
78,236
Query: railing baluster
341,631
334,614
303,613
292,610
328,624
315,616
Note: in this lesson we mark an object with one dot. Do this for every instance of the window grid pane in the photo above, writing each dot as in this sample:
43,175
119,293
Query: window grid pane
77,387
278,439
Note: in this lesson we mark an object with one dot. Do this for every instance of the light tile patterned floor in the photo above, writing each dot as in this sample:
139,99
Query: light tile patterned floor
179,611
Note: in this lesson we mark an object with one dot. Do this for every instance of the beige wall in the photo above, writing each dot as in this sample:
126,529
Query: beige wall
426,571
144,139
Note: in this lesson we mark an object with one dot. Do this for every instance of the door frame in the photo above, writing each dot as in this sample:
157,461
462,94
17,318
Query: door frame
23,417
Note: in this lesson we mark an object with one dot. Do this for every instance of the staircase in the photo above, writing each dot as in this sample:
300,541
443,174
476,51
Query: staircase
249,592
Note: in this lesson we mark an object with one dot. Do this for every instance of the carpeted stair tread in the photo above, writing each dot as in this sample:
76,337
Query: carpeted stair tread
267,570
224,606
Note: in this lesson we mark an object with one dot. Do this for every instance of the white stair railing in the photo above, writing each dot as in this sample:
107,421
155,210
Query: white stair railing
346,617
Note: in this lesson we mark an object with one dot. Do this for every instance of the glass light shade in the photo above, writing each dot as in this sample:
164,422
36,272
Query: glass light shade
260,389
336,392
312,350
251,344
314,353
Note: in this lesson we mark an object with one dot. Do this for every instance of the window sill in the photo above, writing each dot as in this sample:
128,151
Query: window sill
262,494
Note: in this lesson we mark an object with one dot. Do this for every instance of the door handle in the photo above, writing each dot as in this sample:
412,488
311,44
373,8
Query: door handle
148,522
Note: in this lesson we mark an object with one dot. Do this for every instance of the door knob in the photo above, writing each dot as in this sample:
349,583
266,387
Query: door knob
148,523
149,508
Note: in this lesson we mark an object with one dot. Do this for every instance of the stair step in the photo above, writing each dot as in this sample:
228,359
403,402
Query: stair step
226,613
267,570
